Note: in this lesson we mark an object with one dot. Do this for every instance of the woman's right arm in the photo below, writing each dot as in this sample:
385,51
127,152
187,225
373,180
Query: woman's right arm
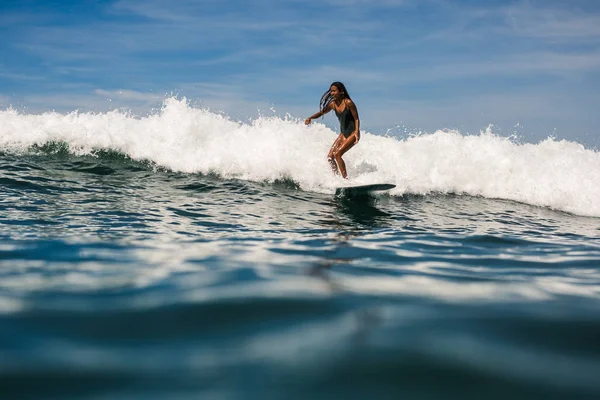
317,115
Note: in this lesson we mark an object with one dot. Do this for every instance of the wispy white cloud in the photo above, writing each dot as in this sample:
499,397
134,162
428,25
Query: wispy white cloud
4,100
208,16
40,102
380,3
561,24
125,94
507,66
21,77
98,100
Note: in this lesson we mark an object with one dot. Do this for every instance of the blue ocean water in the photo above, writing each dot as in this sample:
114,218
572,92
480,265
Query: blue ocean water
184,255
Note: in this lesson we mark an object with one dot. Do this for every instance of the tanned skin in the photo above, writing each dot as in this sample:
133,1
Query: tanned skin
342,144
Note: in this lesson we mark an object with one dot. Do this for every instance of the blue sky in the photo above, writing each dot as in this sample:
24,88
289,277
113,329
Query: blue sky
529,66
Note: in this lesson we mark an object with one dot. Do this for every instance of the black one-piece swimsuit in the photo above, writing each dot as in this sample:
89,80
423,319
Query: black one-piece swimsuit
346,121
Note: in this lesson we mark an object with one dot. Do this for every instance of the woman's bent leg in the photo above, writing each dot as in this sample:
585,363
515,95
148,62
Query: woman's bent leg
331,155
346,145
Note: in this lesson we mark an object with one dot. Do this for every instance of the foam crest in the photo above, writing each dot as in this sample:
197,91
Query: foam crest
559,174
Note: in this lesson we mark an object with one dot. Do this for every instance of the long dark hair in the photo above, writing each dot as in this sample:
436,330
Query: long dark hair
327,98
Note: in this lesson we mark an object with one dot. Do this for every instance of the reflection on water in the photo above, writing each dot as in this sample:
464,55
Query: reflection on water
367,318
363,211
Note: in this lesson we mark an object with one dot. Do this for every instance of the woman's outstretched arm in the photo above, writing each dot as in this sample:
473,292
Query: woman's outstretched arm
318,114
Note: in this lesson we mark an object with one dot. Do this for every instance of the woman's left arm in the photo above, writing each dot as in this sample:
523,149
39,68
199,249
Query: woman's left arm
354,112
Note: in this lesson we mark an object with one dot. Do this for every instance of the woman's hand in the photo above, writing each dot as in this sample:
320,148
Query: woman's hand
356,137
307,121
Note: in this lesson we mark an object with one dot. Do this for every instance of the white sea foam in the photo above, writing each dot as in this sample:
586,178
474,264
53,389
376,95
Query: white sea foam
559,174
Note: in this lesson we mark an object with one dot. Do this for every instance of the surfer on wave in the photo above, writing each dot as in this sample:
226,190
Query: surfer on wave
338,99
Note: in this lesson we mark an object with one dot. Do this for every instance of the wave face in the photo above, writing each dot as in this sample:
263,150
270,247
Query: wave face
561,175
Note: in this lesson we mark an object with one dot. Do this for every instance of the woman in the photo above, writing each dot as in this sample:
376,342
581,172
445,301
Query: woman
338,99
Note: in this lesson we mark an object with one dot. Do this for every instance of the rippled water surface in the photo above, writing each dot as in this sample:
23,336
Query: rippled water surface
118,281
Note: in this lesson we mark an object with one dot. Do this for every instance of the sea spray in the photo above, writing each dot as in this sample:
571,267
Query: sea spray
561,175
